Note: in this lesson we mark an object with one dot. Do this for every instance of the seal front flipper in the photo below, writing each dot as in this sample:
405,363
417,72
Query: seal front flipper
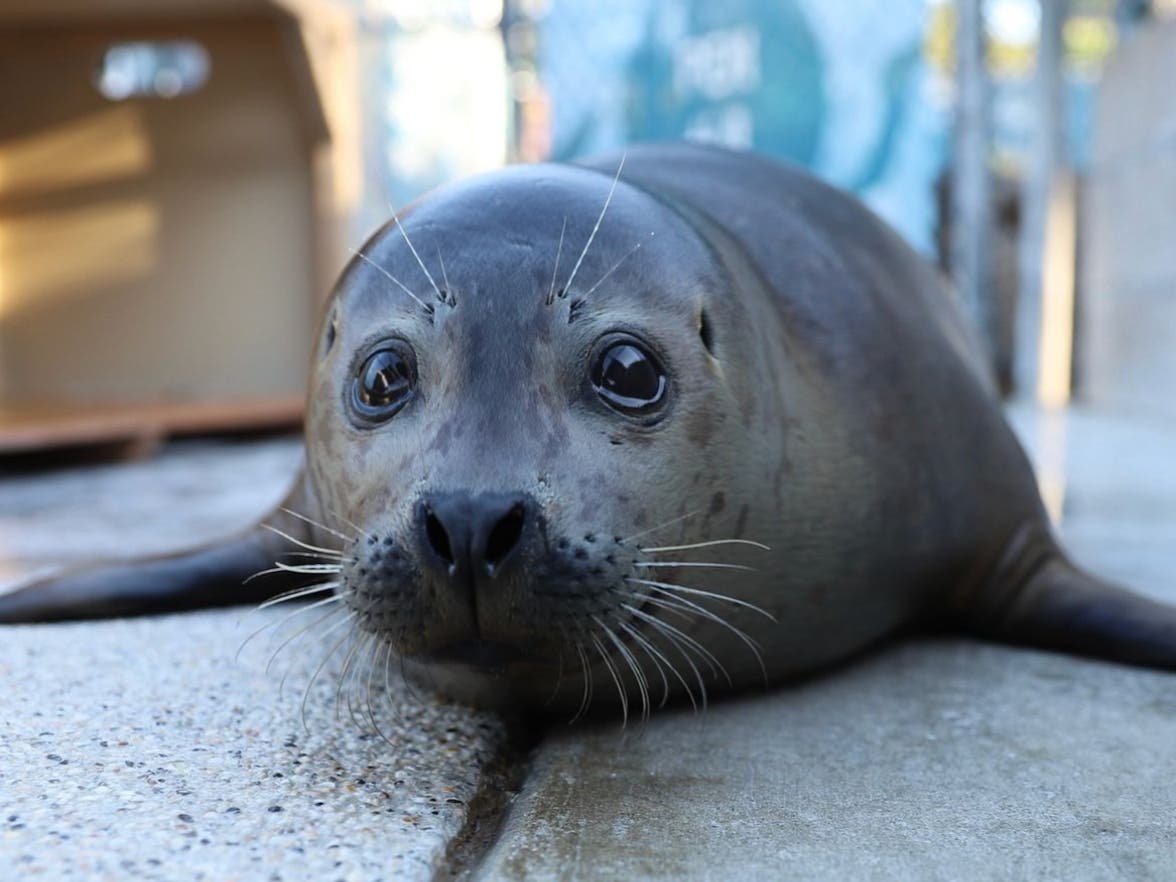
1036,597
217,574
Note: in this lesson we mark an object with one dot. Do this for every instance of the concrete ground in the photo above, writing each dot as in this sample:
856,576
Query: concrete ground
148,749
145,749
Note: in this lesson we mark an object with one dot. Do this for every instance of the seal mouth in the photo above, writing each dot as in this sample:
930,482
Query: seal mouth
485,654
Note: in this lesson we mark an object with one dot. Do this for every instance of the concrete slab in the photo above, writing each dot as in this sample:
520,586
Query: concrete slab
140,749
941,759
144,749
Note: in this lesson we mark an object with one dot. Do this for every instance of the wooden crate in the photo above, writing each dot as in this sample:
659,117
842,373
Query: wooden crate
163,256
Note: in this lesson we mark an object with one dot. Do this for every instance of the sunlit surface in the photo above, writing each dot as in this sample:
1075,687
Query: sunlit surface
50,256
100,147
1047,440
1057,296
1109,483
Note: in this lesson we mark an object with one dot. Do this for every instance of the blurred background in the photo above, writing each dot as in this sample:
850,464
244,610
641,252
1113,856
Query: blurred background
181,180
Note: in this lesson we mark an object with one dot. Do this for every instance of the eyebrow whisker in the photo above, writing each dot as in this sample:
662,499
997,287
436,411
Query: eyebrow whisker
555,269
420,263
613,269
403,287
607,200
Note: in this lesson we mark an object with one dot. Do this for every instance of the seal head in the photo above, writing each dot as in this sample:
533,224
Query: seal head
511,418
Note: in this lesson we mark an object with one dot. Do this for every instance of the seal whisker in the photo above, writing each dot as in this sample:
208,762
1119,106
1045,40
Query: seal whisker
657,659
278,624
689,606
297,634
651,651
634,666
372,667
300,632
279,567
683,605
621,691
586,700
708,544
358,639
353,685
359,531
452,298
321,526
331,552
343,687
612,269
676,639
677,634
269,571
608,199
351,667
373,649
694,563
638,671
322,664
709,657
555,270
408,683
659,527
558,680
403,287
365,643
683,589
373,687
297,594
420,263
388,675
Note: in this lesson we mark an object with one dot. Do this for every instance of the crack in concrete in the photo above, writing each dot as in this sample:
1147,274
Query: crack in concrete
502,780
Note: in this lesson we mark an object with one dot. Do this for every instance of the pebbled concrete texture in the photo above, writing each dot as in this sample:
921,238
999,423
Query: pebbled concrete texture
931,759
145,749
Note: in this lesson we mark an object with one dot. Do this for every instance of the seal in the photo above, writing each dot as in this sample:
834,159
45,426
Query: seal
632,429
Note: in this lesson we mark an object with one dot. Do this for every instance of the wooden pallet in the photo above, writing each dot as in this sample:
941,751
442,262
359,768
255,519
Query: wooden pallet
133,431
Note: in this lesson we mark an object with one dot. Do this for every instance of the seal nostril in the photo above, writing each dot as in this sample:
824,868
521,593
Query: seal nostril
438,538
505,535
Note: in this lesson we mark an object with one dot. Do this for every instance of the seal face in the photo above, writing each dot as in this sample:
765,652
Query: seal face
511,440
638,428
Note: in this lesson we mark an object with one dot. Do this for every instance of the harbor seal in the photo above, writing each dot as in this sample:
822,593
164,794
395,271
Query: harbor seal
642,427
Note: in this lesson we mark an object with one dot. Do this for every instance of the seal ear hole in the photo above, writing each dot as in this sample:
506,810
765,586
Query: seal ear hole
329,333
574,309
706,332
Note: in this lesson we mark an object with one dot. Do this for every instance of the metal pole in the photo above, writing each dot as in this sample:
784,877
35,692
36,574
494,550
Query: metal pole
972,203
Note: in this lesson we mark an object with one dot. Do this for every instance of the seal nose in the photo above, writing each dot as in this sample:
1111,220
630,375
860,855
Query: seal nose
476,534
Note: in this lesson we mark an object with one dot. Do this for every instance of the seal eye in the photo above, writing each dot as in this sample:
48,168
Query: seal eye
628,378
383,385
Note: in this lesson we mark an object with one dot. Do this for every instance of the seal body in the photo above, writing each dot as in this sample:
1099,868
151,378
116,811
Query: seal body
644,426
